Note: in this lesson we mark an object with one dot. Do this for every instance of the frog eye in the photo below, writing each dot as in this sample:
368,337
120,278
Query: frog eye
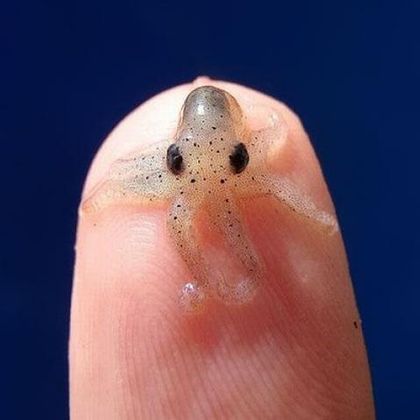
174,159
239,158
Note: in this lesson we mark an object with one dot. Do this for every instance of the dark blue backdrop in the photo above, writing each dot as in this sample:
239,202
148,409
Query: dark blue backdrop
71,70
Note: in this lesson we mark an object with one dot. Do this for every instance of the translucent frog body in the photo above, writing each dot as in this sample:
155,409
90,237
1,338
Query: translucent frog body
214,160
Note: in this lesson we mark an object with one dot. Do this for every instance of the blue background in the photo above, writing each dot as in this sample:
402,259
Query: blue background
71,70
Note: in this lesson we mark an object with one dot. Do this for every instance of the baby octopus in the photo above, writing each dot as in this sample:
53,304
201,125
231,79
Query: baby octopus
213,161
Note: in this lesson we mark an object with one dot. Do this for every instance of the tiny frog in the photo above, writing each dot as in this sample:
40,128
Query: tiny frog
213,161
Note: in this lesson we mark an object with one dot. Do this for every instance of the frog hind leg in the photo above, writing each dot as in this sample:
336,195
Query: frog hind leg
227,219
180,223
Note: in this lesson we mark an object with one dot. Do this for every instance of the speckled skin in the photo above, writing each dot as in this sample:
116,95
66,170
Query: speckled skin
211,125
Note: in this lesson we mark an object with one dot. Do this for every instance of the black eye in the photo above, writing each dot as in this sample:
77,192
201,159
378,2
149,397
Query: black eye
239,158
174,159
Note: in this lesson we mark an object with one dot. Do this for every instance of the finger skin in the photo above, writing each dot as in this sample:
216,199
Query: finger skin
295,352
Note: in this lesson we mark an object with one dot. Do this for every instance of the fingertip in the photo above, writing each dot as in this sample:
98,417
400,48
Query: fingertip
131,339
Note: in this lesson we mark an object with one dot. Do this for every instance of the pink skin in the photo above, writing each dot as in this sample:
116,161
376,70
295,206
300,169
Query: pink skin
295,350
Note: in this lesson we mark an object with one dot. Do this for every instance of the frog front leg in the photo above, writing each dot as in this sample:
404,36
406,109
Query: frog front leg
264,147
287,193
139,178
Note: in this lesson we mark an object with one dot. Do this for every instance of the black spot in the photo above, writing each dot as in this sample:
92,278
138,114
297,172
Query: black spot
174,159
222,181
239,158
355,325
192,181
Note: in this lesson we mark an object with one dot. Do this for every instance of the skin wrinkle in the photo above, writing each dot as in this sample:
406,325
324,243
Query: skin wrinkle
162,360
206,380
153,354
280,298
237,380
256,375
222,361
273,372
307,373
291,353
159,297
257,361
201,403
318,379
132,383
205,403
120,349
216,403
221,367
178,360
257,407
183,361
198,373
238,357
